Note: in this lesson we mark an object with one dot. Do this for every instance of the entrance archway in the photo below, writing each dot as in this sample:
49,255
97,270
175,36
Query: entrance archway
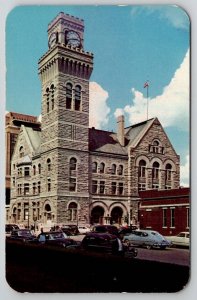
47,213
116,215
97,214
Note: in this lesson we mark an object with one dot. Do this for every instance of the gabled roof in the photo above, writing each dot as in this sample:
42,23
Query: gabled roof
135,133
33,137
105,141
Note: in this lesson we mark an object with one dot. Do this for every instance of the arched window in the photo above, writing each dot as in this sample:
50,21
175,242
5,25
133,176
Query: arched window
48,164
94,167
69,95
52,96
21,151
39,168
102,167
34,170
48,184
113,169
168,172
120,170
77,97
142,168
47,97
72,211
155,170
73,164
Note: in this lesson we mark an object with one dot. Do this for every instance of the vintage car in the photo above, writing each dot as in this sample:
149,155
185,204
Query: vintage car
147,238
23,235
107,243
182,239
56,238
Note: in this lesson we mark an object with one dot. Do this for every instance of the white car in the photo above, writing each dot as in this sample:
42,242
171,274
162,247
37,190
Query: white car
182,239
83,229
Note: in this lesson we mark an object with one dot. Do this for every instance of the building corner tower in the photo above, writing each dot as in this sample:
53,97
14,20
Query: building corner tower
64,72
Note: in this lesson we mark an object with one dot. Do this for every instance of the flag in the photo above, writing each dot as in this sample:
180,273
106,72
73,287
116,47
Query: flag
146,84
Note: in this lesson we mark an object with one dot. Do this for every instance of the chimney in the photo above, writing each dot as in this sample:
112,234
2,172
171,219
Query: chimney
120,130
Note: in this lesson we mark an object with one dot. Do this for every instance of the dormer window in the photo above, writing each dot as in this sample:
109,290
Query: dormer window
21,151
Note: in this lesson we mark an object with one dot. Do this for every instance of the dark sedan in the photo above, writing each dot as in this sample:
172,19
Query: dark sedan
56,238
107,243
24,235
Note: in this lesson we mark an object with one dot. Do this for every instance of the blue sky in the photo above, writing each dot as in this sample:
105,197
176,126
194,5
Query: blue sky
130,44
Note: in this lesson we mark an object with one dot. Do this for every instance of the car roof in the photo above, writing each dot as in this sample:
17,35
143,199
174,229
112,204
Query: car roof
101,234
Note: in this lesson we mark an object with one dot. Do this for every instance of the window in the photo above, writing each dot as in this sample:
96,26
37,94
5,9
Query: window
48,164
164,217
113,188
19,172
156,147
172,217
34,188
39,168
102,168
142,168
72,184
113,169
188,217
141,186
21,151
120,170
19,189
26,172
73,164
13,181
155,186
94,167
38,187
77,97
120,188
48,184
94,186
69,96
102,187
72,211
52,96
155,170
26,189
34,170
168,172
47,105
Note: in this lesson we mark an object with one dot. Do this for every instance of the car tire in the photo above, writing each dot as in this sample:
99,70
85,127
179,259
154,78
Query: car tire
163,247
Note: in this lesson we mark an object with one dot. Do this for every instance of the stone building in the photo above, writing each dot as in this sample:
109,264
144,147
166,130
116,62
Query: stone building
70,173
13,122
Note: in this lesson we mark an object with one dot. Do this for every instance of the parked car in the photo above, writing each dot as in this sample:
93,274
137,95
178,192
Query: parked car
71,229
9,228
182,239
83,229
147,238
126,231
107,243
23,235
105,229
57,238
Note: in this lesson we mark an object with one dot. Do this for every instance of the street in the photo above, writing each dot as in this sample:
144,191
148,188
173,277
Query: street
180,256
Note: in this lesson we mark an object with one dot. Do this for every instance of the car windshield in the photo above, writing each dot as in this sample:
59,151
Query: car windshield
24,233
57,235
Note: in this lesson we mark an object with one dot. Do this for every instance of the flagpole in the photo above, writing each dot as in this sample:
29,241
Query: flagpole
147,99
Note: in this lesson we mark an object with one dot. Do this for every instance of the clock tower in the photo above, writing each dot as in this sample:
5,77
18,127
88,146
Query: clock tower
64,71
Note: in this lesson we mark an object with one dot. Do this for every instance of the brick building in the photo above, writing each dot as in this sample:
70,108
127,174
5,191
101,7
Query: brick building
70,173
165,211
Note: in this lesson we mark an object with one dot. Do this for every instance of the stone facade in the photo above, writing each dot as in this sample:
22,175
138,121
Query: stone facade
69,173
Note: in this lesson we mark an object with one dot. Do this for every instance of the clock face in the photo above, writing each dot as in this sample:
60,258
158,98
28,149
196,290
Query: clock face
52,39
73,39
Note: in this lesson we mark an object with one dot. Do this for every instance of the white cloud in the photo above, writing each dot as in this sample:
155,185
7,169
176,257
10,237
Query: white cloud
172,107
184,173
99,111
